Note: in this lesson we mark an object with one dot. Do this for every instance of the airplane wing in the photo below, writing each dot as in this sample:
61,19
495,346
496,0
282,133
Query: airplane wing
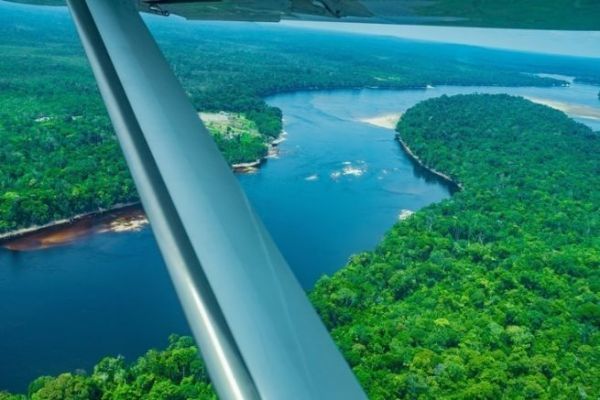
528,14
525,14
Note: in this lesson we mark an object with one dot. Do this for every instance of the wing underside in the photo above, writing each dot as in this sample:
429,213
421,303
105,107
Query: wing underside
527,14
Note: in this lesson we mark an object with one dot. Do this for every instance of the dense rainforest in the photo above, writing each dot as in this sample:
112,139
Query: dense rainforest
494,293
238,137
174,373
59,154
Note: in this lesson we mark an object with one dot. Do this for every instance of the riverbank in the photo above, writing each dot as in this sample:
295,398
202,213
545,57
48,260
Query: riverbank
462,269
272,152
390,121
61,222
384,119
240,140
121,218
414,158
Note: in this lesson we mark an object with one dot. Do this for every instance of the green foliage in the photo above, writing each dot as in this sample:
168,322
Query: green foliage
8,396
237,136
241,148
267,119
172,374
56,162
59,156
494,293
65,386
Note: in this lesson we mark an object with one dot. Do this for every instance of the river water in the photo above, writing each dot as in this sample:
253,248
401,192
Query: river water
336,187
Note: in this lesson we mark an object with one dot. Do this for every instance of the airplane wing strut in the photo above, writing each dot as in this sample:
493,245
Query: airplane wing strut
258,333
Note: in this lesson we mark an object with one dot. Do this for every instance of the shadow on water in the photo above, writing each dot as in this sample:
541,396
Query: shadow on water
421,172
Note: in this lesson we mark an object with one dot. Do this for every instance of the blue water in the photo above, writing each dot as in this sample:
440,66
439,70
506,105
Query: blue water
64,308
337,184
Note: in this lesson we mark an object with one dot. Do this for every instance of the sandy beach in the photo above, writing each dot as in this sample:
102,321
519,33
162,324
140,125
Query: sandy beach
577,110
387,121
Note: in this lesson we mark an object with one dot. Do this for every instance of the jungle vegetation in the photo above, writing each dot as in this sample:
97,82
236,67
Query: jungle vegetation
59,155
171,374
238,136
494,293
491,294
553,14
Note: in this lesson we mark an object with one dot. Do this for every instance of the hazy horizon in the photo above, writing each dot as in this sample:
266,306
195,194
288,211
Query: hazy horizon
551,42
562,43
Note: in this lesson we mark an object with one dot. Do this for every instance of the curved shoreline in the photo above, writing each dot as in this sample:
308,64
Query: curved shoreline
413,157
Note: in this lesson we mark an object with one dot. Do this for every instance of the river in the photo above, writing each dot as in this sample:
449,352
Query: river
338,184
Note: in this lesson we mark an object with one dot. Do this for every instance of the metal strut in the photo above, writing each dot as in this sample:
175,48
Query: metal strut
258,333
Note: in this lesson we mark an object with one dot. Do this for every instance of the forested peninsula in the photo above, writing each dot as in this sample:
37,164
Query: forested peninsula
495,292
491,294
